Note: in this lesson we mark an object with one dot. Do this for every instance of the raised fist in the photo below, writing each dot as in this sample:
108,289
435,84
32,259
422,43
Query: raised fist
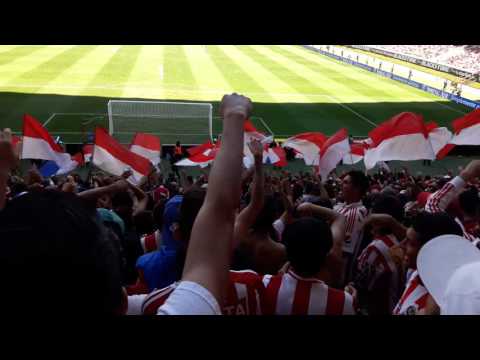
235,104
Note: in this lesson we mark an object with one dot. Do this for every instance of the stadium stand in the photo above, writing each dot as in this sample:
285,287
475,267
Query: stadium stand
466,57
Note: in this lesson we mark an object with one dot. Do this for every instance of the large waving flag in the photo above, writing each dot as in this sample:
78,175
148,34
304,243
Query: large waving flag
202,155
467,129
37,143
440,138
403,137
148,146
357,151
308,145
111,156
332,152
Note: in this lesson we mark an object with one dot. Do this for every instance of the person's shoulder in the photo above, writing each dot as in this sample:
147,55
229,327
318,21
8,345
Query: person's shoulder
156,298
247,277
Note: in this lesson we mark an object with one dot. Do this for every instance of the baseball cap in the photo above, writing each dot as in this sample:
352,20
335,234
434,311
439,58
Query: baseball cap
449,266
171,215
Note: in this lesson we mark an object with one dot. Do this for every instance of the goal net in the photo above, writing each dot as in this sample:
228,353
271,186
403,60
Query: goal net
189,123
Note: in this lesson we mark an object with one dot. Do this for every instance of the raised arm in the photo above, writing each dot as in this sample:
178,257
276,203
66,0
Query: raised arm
248,215
318,181
208,254
386,221
95,193
439,201
142,198
8,161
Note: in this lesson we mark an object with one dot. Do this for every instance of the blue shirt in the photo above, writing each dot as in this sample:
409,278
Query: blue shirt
160,267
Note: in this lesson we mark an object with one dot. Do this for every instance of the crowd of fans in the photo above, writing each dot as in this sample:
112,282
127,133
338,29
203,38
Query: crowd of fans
235,241
465,57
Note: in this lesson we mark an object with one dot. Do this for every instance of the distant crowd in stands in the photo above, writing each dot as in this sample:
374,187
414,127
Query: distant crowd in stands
237,241
466,57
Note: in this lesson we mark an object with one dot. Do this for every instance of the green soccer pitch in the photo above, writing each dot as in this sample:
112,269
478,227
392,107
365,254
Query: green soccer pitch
294,89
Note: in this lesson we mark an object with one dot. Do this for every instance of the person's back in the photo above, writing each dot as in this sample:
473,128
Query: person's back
291,294
259,252
378,277
301,290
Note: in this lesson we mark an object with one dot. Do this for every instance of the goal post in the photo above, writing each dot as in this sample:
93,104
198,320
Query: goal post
187,122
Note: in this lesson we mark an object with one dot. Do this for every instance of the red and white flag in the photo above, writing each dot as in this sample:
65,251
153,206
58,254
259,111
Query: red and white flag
332,152
201,148
403,137
37,143
251,133
440,138
87,153
202,155
148,146
77,160
357,151
467,129
111,156
308,145
275,156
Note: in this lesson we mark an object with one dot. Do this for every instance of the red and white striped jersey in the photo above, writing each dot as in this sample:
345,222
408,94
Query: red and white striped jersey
414,298
244,295
355,214
151,242
376,267
439,201
290,294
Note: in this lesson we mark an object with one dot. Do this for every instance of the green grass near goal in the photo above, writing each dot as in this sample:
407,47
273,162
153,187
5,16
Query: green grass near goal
294,89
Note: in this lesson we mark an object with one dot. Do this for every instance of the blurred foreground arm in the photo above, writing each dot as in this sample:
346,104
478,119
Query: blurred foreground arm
207,261
8,161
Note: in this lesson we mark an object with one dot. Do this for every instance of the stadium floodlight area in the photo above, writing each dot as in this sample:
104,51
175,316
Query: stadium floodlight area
189,123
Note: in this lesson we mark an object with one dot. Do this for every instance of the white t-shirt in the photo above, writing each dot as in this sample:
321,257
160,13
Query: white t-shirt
190,298
135,304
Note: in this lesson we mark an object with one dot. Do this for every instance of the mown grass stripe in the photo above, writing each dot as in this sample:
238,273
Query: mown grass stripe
321,117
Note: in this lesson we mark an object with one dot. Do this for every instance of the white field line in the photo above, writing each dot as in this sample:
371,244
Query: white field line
49,119
266,126
353,111
88,114
450,108
200,91
153,88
